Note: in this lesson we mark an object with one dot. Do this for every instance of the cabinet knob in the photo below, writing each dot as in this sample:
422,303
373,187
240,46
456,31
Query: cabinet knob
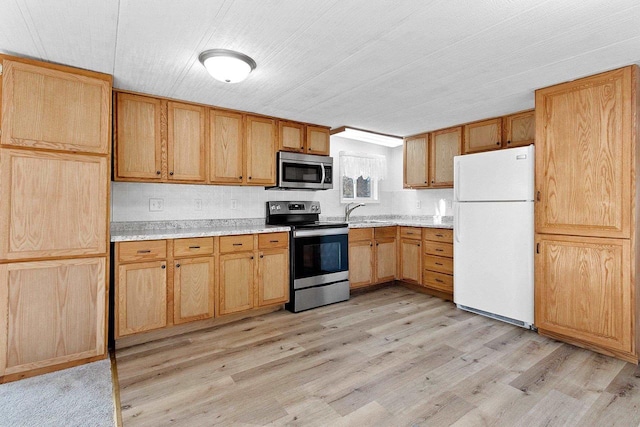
432,181
302,147
249,177
425,182
418,244
251,256
178,265
377,244
240,177
171,173
498,143
157,172
261,256
370,244
164,266
508,142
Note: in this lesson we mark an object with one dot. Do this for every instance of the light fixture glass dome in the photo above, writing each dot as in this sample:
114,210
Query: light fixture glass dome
227,66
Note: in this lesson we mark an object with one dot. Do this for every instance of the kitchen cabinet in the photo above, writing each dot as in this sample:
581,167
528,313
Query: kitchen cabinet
372,256
138,139
484,135
273,269
445,144
53,205
317,141
438,260
291,136
141,287
411,255
186,142
416,159
519,129
260,150
54,186
237,273
193,279
226,146
52,312
158,140
586,252
53,107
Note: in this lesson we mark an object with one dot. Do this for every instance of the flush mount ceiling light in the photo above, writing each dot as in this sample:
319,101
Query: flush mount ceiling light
367,136
228,66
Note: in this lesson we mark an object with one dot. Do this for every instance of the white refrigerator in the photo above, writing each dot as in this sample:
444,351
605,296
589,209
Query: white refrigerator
493,246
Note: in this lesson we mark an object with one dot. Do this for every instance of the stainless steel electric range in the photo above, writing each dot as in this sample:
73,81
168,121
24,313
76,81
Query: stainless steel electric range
319,257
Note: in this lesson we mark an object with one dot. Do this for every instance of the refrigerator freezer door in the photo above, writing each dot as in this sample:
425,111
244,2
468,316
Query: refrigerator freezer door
493,254
495,175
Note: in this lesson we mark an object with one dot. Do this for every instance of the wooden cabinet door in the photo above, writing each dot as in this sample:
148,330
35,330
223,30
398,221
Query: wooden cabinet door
236,282
584,289
138,141
583,156
52,204
416,159
141,297
193,289
444,145
483,136
273,277
519,129
317,140
51,312
410,261
49,108
261,150
186,141
385,260
291,136
361,263
226,147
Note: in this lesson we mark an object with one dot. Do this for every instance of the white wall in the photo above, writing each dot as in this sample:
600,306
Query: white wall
130,201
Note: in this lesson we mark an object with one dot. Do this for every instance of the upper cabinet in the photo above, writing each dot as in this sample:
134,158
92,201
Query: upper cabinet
483,136
226,145
445,144
187,141
260,150
291,136
53,109
416,159
317,140
519,129
138,140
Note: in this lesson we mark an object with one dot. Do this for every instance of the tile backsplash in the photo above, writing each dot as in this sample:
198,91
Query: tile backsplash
131,201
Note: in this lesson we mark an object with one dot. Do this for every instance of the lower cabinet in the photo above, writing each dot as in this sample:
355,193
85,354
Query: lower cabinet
372,256
410,268
193,289
52,312
438,260
273,277
237,272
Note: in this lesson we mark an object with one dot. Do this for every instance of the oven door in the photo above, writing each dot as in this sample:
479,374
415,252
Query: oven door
320,256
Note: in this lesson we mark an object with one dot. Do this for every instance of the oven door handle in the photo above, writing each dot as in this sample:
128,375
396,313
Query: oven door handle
321,232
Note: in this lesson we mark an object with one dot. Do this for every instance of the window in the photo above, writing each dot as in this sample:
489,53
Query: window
360,174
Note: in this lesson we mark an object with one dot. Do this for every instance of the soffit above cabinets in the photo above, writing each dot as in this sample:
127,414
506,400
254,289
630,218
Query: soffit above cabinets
392,67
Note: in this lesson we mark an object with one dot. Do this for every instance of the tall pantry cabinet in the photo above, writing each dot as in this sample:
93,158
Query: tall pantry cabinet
586,215
54,198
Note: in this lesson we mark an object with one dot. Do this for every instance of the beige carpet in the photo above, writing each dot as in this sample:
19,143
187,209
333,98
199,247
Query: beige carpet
80,396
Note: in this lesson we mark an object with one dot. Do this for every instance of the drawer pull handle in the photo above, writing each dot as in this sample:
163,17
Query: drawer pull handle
439,235
237,244
409,232
439,250
439,281
274,241
438,263
194,247
146,251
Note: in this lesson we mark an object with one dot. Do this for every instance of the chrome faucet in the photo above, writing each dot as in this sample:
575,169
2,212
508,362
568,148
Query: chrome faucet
348,210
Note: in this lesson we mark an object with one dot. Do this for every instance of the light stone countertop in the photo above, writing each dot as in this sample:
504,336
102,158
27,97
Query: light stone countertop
404,223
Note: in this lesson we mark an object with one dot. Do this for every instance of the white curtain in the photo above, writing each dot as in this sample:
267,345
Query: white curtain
367,165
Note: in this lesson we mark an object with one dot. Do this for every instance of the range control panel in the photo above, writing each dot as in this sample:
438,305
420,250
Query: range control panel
282,208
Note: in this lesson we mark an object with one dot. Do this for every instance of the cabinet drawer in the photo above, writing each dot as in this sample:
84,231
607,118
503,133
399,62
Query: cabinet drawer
273,240
241,243
193,247
440,281
385,232
439,264
146,250
411,232
360,234
437,248
438,235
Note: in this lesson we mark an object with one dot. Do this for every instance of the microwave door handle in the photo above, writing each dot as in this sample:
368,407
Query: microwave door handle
323,174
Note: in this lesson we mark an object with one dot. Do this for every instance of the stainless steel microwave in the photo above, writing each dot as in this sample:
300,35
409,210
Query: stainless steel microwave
297,171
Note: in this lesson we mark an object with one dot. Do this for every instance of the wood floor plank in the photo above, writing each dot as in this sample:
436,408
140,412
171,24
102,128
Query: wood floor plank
390,357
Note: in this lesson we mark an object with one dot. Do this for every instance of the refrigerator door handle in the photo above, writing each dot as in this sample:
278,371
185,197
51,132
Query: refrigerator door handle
456,222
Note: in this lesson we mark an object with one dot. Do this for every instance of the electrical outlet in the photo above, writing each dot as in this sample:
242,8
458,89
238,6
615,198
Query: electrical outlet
156,205
234,204
449,204
418,204
197,204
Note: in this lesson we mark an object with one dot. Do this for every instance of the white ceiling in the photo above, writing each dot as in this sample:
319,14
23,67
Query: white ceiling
396,67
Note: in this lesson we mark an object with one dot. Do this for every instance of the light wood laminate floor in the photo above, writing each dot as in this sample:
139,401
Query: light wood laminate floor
391,357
